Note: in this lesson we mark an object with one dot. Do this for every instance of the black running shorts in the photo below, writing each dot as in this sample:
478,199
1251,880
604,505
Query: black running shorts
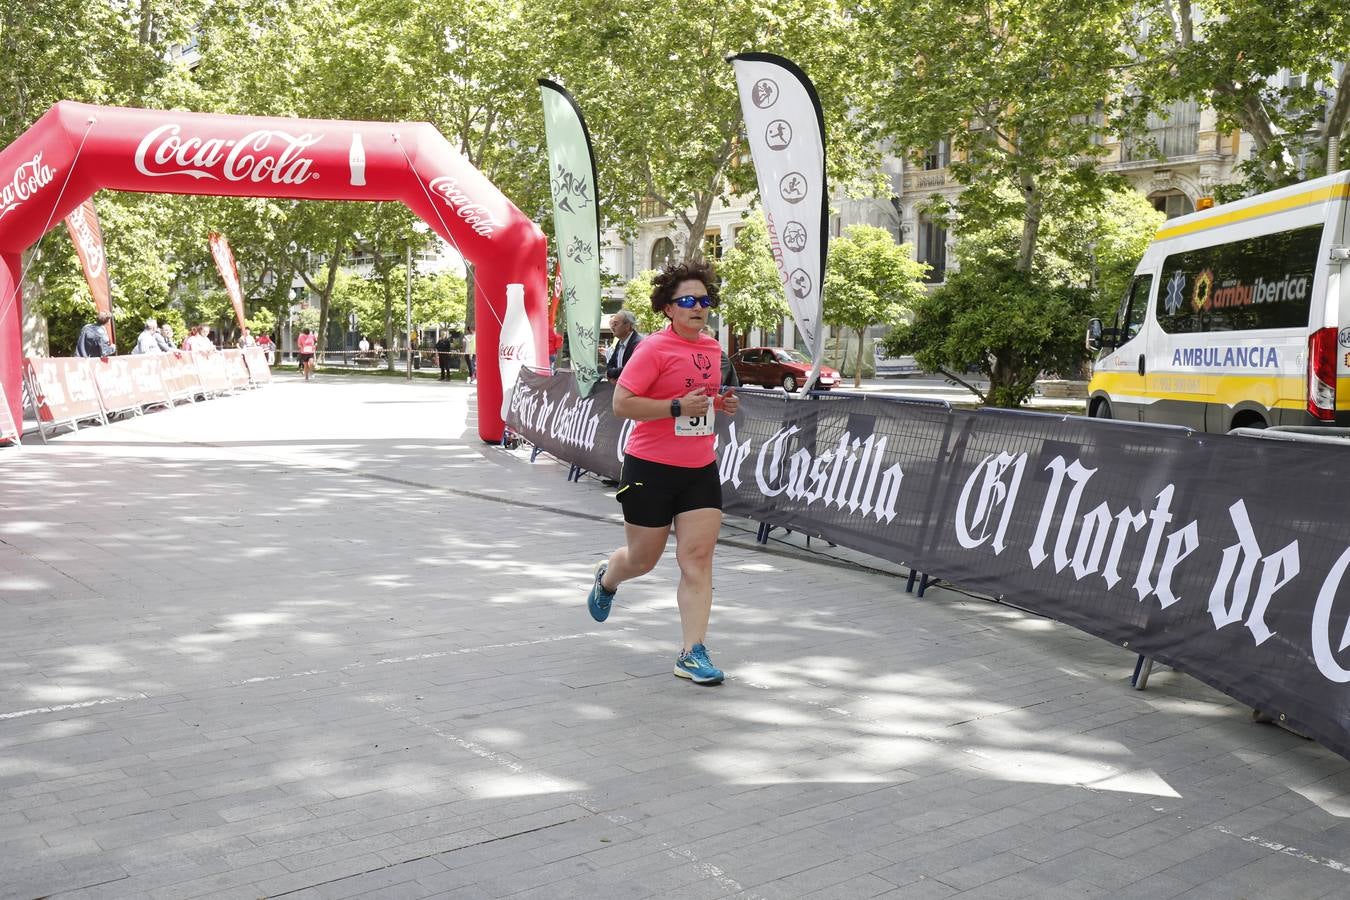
653,494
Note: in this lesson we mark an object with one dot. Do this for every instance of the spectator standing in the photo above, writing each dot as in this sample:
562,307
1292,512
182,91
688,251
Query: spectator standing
363,345
267,347
626,338
166,337
93,339
198,342
150,340
445,350
306,343
471,354
246,340
555,342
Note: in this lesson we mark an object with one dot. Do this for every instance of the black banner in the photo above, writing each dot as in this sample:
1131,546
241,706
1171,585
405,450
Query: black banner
1224,557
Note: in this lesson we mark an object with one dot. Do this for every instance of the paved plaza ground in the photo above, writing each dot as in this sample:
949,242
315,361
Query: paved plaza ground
320,641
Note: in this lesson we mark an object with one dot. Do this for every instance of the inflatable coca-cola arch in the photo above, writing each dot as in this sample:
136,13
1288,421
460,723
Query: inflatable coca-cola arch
76,149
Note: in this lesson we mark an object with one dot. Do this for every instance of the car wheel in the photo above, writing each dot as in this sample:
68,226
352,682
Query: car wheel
789,383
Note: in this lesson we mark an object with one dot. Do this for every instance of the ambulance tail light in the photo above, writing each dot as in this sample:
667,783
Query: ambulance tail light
1322,374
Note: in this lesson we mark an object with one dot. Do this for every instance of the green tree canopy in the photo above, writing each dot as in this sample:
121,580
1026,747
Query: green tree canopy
637,295
661,101
1022,89
1011,325
870,280
437,300
752,290
1236,56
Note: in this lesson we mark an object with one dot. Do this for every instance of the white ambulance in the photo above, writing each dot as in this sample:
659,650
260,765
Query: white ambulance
1236,317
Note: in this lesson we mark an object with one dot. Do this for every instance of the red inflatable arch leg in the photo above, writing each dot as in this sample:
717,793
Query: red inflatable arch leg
11,332
76,149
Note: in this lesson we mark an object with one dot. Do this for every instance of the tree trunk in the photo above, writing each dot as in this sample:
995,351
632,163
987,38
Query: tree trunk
147,21
857,375
1031,224
693,246
325,292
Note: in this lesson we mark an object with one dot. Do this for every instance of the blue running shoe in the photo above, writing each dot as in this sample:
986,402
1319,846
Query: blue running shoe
600,600
696,666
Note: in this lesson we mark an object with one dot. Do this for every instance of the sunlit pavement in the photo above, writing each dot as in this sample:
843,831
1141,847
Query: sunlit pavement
320,641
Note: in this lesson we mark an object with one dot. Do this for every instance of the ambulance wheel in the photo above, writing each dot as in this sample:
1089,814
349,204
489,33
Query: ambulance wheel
1101,409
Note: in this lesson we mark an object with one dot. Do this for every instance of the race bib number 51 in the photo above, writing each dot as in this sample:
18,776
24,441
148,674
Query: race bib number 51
693,426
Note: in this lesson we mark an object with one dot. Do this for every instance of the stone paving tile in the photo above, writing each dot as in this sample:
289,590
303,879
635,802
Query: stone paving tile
383,683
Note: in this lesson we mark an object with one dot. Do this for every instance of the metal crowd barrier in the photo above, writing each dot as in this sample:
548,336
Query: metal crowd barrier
1307,434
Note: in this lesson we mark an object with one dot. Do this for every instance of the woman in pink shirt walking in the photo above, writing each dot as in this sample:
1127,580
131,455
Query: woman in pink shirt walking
306,344
670,387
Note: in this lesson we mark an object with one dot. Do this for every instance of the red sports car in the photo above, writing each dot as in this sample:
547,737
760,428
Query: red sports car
779,367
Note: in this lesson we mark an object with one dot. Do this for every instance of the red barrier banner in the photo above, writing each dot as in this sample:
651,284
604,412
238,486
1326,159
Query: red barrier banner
229,273
236,370
63,389
147,373
116,389
211,371
8,430
85,234
258,369
179,375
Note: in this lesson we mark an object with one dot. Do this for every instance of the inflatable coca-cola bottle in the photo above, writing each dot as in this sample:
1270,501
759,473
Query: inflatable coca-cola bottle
516,346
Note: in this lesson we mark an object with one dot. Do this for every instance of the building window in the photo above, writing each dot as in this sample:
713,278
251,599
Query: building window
1176,133
663,253
932,249
937,156
1172,204
712,244
650,209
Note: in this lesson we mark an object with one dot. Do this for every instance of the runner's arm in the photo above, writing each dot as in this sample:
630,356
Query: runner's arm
628,405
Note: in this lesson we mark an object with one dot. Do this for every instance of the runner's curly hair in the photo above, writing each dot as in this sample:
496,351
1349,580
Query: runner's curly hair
668,279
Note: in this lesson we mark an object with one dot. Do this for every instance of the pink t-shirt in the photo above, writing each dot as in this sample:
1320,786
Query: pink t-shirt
666,366
306,343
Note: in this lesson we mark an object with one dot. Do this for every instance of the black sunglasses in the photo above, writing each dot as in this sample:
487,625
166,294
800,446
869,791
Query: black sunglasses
689,301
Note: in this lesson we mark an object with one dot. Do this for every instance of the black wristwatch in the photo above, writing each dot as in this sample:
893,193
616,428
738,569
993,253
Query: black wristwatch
675,409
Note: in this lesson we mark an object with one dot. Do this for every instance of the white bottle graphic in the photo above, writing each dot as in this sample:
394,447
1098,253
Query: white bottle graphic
357,160
516,346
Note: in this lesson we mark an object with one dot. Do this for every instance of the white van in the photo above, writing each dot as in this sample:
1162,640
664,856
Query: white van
1236,317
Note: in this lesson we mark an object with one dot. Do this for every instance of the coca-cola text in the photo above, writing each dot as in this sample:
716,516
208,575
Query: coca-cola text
28,178
265,155
475,215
